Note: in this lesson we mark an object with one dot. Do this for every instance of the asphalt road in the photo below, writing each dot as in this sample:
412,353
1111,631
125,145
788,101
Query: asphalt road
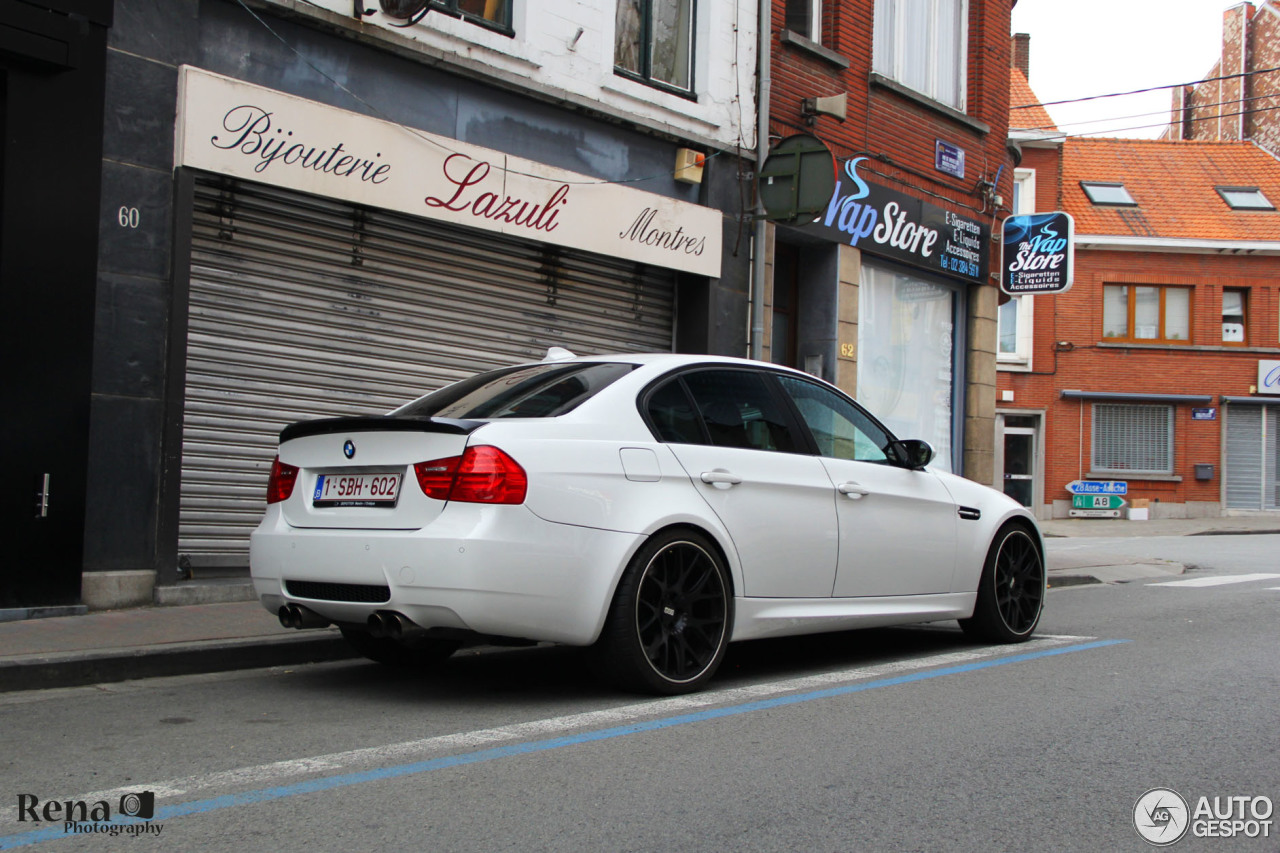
894,740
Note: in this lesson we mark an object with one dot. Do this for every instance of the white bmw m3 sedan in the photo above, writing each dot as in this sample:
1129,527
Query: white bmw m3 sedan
653,507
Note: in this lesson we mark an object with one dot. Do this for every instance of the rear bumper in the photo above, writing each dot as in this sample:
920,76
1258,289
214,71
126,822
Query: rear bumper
497,570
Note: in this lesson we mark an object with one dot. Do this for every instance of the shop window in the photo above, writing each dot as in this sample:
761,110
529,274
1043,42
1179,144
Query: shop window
490,13
1234,322
653,42
1132,439
1146,314
804,18
907,364
921,44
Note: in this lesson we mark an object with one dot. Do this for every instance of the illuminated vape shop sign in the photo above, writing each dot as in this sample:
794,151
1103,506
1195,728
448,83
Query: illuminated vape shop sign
259,134
1038,254
895,225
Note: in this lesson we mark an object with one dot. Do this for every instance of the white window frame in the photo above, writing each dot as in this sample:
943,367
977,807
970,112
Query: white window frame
893,26
1024,322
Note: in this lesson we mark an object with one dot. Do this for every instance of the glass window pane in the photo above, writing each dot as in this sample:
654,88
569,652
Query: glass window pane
1146,313
1177,314
538,391
671,29
489,10
841,430
740,411
1115,311
673,416
628,35
1008,326
905,356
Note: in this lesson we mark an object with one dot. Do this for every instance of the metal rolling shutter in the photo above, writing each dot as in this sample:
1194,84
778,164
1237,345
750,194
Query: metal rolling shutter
1253,457
302,307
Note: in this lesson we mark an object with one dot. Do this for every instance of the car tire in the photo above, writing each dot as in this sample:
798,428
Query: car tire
1011,591
411,654
671,617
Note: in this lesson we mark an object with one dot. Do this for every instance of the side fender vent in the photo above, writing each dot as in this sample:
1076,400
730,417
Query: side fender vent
969,513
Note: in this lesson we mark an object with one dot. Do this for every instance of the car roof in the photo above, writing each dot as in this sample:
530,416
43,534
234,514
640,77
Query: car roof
669,359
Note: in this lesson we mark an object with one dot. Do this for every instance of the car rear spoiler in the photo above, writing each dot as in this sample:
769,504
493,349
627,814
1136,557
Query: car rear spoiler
378,423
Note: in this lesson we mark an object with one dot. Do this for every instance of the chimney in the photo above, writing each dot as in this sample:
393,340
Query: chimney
1020,54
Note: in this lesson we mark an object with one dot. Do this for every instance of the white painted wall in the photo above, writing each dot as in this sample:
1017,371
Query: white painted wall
724,56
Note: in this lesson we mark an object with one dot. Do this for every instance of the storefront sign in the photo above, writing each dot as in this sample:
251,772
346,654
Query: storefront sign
1038,254
1269,377
891,224
247,131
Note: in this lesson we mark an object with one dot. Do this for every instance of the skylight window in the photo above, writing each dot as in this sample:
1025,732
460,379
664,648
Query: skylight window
1112,194
1244,198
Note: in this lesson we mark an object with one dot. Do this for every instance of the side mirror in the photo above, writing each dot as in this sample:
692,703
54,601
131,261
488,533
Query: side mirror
915,453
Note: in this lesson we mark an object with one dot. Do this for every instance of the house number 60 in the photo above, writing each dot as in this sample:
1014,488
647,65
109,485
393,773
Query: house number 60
128,217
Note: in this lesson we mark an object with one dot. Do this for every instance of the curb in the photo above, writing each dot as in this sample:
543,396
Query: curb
76,669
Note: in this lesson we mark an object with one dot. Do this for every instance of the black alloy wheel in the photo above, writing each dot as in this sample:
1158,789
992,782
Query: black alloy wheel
1011,592
669,624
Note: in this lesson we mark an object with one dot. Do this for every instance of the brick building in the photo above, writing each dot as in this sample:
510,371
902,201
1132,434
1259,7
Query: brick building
1161,366
1239,98
888,292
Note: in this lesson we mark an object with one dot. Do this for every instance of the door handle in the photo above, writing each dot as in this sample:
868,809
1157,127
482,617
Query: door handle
720,477
853,490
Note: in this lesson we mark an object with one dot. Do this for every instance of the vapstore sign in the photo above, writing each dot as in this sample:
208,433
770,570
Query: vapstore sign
894,225
1038,254
258,134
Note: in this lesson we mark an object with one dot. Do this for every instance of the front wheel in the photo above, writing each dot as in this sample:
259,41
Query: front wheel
669,623
1011,591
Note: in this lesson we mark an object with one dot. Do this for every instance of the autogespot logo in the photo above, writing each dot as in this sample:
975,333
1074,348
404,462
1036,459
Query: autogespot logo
1160,816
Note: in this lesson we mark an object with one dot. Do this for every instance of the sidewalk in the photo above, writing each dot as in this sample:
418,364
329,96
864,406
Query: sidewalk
147,642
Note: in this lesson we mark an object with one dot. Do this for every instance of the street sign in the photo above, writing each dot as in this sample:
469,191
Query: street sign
1093,513
1098,502
1098,487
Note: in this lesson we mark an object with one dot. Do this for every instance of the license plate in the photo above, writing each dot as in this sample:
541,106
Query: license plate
379,489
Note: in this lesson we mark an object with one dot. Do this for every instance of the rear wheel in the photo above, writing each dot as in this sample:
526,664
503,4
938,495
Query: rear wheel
669,623
1011,592
410,654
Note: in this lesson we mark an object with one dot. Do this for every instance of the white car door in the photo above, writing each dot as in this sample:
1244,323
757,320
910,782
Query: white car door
897,525
778,506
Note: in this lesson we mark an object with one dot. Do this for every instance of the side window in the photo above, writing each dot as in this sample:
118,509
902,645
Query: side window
673,416
841,430
740,411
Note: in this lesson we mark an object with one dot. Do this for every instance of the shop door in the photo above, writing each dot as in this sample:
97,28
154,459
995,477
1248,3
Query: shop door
1019,468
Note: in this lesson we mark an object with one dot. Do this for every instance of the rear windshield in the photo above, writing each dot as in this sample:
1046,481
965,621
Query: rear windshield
537,391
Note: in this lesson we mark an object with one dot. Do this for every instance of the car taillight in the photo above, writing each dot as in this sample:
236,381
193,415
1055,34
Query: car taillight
482,474
436,477
280,483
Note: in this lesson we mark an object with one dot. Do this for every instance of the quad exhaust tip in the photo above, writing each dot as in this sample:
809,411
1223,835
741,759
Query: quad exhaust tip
392,625
297,616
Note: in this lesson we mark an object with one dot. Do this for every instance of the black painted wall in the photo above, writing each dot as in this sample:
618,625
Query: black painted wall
133,477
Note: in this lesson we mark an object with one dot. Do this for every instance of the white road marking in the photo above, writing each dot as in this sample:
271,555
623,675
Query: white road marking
277,772
1220,580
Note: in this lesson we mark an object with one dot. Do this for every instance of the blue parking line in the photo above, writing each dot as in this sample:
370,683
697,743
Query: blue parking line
344,780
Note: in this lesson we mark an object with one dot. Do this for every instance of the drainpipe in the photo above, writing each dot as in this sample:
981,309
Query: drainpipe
764,26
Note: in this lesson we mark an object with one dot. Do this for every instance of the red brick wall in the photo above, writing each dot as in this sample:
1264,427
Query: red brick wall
1083,361
883,122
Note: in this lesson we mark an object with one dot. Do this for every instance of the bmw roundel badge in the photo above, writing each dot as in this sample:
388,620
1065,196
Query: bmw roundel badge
349,448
